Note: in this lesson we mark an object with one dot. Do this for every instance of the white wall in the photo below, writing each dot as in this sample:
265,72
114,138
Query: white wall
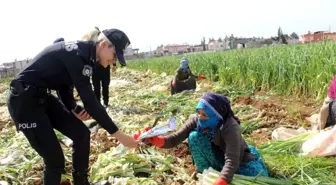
218,45
128,51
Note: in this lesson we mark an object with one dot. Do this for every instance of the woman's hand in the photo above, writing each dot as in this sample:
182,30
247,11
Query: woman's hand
126,140
174,83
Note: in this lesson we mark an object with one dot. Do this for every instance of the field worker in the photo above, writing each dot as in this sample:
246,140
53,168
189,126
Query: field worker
324,110
184,79
101,74
183,72
36,112
331,121
215,140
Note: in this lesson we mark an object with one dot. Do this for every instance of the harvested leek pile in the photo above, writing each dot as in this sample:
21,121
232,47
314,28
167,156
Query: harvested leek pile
301,169
19,163
18,159
150,168
209,177
284,161
292,145
136,104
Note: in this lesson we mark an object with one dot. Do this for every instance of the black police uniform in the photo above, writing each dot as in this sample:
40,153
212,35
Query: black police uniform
101,78
36,112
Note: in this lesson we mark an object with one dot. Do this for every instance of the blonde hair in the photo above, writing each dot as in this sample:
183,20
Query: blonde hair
95,35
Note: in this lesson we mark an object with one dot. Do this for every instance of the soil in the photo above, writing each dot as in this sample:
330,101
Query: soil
106,141
283,109
182,151
65,182
278,111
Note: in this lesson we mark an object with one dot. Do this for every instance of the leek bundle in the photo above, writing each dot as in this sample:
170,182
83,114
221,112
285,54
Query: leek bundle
292,145
209,177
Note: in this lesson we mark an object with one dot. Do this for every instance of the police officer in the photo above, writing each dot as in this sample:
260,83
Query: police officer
101,74
101,78
36,112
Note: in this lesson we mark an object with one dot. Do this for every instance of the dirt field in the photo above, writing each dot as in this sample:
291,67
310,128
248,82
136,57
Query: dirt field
133,104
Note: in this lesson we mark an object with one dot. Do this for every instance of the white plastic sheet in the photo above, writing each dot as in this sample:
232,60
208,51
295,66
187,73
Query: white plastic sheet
323,144
283,133
3,183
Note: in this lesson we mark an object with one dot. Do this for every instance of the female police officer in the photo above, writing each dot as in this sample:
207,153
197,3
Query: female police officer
36,112
101,75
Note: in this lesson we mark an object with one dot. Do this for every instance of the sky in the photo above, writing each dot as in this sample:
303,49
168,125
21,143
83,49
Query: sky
27,26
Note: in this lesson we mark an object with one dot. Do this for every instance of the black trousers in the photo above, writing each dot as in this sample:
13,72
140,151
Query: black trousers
101,77
36,113
183,85
331,121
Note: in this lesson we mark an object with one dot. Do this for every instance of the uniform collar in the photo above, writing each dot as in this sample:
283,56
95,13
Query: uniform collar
93,56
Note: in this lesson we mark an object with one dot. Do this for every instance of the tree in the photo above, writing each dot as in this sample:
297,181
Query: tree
211,39
226,38
283,39
294,35
220,39
279,32
203,44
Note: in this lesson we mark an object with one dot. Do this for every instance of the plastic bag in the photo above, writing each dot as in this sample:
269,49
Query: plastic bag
3,183
323,144
155,131
283,133
119,150
11,158
160,129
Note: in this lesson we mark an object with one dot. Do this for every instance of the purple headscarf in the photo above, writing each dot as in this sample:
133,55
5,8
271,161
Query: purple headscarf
221,105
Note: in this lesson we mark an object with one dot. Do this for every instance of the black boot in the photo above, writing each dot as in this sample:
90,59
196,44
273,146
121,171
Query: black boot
80,177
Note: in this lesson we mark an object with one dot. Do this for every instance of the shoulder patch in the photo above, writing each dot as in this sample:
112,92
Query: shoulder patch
69,46
87,70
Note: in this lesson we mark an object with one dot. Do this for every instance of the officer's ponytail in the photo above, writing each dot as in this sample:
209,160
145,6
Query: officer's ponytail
95,35
92,35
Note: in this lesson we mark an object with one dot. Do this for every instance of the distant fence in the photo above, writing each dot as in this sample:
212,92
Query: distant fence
9,72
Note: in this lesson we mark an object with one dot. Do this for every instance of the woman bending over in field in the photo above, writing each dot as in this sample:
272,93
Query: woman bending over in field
215,140
184,79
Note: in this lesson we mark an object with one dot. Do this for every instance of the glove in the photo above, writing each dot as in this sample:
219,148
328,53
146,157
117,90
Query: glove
138,134
174,83
157,141
200,77
220,181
